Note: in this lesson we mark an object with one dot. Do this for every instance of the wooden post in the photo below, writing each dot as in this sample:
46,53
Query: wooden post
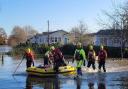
2,56
48,33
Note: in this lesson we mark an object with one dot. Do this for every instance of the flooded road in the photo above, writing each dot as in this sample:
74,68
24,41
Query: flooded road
115,78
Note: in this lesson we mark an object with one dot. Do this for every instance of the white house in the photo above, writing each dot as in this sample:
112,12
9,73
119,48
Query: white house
59,36
109,37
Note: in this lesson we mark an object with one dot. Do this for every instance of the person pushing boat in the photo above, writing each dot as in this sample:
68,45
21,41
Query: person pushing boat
29,57
58,58
48,58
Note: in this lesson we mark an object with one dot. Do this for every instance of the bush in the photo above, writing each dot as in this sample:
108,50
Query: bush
113,52
68,49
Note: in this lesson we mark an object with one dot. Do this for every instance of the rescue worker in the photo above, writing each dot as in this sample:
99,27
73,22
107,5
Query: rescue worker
29,57
102,55
47,58
80,57
91,57
58,58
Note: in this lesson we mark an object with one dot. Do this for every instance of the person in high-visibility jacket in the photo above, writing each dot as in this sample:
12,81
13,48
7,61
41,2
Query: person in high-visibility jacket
29,57
80,58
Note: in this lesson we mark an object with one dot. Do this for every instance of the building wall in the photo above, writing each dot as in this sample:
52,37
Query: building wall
55,37
108,41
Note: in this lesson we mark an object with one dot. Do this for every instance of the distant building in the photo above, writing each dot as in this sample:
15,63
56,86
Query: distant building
109,37
59,36
86,39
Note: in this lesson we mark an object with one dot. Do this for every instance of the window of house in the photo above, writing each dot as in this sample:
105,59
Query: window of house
55,39
40,40
116,41
52,39
103,41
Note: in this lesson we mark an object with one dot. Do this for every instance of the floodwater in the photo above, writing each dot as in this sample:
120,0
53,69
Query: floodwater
116,77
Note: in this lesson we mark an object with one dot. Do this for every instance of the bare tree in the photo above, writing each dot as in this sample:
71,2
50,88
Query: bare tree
17,36
118,19
3,36
21,35
75,34
30,31
79,32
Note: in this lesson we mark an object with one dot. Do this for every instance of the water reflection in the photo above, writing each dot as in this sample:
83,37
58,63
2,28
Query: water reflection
2,59
101,81
96,81
44,83
91,85
78,83
101,86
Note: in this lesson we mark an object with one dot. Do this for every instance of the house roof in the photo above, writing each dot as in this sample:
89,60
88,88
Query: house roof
46,33
109,32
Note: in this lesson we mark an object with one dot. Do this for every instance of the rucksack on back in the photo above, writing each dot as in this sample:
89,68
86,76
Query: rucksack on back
78,56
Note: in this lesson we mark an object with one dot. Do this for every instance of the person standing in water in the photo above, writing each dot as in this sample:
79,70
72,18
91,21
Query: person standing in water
48,58
91,57
80,58
58,58
102,55
29,57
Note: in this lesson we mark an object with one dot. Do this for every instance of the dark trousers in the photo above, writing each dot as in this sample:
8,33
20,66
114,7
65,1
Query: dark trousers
46,60
29,62
79,71
90,62
58,63
102,64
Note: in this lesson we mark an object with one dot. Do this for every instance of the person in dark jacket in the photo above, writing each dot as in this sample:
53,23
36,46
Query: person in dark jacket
58,58
29,57
91,57
102,55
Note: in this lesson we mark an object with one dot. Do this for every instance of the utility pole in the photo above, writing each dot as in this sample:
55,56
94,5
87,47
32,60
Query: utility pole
48,32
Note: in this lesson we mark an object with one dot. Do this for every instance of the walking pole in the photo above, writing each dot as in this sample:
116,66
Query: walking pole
18,66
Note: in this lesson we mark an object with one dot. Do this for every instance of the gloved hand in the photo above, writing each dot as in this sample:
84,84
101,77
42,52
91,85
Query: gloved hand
73,60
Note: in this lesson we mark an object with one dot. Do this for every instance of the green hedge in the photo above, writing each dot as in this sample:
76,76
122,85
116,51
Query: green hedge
68,49
113,52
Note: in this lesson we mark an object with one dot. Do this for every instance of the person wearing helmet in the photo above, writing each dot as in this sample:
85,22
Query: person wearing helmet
102,55
80,57
91,57
58,58
29,57
47,58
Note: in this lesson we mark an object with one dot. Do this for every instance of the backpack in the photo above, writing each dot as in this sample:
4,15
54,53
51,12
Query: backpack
91,55
78,55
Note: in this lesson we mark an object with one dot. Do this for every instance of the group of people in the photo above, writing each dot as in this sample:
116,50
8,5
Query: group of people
55,57
52,57
81,57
